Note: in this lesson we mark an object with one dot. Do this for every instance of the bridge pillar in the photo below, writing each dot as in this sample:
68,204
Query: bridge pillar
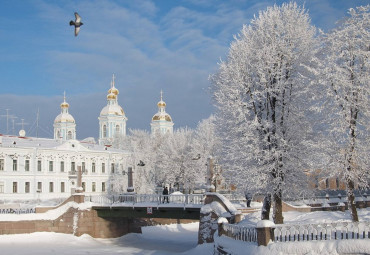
210,214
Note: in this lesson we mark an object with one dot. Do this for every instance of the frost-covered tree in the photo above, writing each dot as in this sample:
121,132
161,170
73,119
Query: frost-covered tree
262,93
346,74
176,160
206,144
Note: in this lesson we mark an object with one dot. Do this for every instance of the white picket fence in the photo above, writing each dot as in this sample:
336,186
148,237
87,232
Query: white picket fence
322,231
241,233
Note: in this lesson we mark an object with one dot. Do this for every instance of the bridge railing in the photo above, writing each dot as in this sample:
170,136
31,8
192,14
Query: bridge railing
183,199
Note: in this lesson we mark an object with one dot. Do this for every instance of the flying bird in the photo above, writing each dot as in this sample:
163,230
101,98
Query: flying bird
77,23
141,163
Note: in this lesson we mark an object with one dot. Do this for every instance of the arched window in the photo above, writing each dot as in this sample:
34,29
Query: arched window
327,183
69,135
58,134
338,183
104,131
117,129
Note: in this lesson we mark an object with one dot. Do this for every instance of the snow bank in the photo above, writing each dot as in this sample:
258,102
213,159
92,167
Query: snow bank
265,224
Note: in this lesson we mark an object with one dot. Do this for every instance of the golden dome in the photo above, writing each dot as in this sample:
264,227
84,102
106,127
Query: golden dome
113,90
111,96
161,104
112,110
165,117
64,117
64,105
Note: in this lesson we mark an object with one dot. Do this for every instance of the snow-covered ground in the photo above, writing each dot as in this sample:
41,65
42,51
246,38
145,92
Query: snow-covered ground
182,239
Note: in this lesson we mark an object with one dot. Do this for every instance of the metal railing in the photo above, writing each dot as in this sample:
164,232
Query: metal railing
196,199
246,234
17,211
322,231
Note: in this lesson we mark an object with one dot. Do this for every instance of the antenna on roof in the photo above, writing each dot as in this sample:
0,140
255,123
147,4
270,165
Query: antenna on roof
8,116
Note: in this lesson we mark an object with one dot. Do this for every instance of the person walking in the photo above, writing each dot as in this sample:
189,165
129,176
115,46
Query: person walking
165,194
248,197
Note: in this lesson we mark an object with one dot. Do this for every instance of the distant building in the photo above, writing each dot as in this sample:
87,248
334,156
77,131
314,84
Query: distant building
161,121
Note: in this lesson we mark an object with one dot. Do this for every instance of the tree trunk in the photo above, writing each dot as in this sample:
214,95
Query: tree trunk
278,209
351,200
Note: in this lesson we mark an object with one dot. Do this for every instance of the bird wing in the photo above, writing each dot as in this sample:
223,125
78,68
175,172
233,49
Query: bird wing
77,30
78,18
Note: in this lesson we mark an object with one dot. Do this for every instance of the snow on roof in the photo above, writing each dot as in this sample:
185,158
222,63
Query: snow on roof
47,143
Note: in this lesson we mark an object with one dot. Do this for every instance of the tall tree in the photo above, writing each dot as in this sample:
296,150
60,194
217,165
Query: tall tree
346,74
262,93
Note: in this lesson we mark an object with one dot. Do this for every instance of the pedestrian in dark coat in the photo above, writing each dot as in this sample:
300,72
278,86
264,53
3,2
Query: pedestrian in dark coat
248,197
165,194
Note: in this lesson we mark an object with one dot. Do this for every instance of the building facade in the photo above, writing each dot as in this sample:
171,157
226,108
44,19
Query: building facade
40,168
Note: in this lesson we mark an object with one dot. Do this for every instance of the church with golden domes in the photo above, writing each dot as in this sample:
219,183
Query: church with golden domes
112,120
44,168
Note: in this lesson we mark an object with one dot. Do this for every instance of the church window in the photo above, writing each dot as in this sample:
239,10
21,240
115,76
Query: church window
51,187
1,164
93,167
73,166
112,168
84,186
103,186
83,166
117,129
14,165
62,187
69,135
27,187
39,187
93,188
15,187
103,168
27,165
104,131
39,165
62,166
1,187
51,164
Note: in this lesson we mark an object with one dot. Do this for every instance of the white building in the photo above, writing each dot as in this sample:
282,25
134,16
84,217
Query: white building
42,168
161,121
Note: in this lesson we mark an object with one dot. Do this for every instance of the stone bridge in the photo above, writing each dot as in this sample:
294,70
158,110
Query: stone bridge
114,216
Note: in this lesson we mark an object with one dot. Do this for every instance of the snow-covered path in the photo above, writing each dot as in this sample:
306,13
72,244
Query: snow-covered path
163,240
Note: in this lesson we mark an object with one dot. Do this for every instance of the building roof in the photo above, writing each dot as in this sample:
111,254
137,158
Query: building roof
47,143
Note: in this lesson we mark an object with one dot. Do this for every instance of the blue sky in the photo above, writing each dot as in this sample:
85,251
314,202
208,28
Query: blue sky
149,46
